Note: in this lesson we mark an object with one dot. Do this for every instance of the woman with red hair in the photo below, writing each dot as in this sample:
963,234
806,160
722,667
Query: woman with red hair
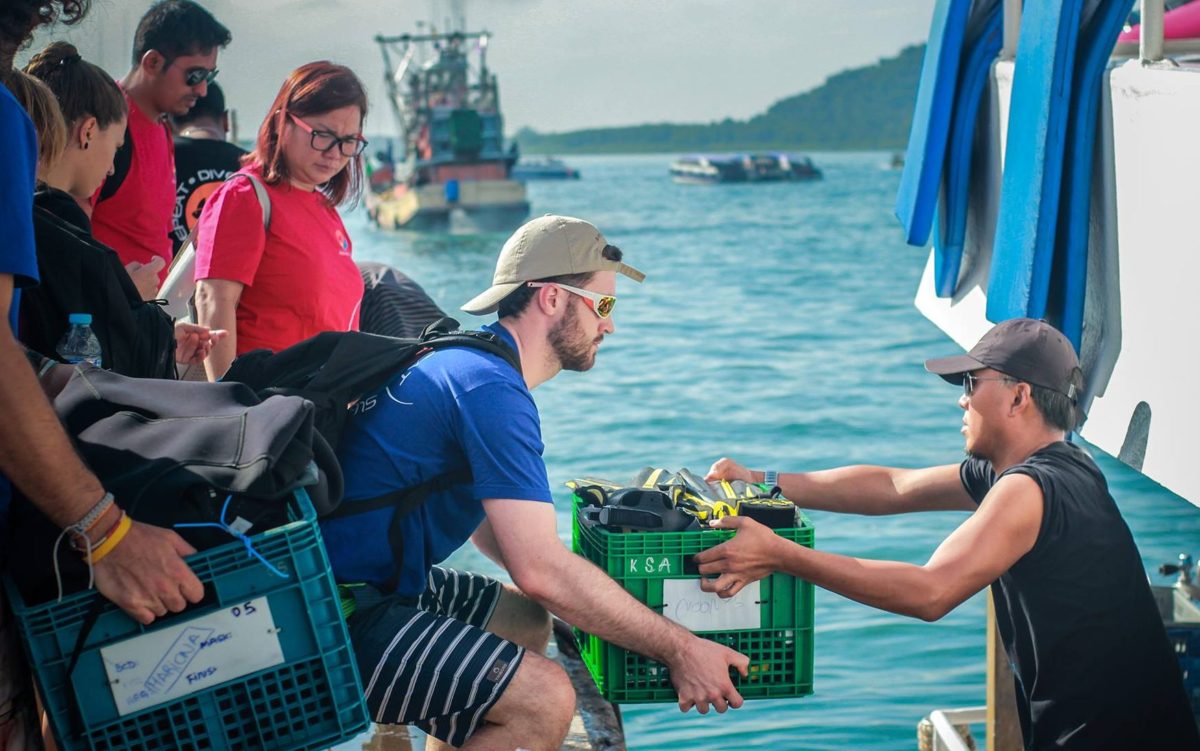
272,287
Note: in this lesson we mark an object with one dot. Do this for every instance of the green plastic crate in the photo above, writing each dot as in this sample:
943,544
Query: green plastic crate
780,652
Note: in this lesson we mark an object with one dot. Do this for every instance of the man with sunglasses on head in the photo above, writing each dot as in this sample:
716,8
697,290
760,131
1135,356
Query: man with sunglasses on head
457,653
174,59
1092,664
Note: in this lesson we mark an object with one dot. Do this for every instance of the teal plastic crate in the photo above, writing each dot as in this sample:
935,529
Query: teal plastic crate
311,698
780,651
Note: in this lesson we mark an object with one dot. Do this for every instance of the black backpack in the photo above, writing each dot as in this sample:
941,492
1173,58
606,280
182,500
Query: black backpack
336,369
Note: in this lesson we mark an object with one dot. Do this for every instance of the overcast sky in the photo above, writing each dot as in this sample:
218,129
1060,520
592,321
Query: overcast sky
562,64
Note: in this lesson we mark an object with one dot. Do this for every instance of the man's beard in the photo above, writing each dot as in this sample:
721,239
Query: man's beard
572,347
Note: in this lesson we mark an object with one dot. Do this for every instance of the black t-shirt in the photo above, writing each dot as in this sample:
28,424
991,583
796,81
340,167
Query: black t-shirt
1091,659
201,165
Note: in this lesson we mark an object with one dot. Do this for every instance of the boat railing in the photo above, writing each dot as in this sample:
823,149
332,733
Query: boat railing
1165,49
1150,38
1151,47
945,724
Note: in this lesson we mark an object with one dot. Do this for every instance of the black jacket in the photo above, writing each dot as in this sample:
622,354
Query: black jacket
170,452
81,275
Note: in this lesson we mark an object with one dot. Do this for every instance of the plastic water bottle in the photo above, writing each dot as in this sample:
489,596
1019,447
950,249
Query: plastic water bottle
79,344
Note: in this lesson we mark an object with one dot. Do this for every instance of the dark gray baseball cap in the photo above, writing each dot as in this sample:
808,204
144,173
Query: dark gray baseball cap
1027,349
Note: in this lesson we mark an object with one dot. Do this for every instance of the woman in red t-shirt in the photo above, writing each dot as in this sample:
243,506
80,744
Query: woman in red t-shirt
272,288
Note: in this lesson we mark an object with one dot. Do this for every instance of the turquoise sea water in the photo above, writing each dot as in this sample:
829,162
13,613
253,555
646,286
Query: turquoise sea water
776,326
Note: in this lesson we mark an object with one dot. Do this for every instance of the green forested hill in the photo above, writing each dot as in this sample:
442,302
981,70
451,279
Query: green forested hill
862,108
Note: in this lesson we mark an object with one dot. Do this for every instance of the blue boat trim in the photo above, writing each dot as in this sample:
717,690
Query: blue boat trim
951,214
1069,279
917,195
1023,252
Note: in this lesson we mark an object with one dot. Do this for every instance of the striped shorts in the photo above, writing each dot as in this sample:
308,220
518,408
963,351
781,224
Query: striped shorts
430,663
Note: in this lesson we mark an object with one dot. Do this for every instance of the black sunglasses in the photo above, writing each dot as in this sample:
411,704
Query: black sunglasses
970,380
197,76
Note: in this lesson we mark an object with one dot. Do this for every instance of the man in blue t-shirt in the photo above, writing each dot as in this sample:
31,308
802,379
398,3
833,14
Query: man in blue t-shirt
1092,665
457,653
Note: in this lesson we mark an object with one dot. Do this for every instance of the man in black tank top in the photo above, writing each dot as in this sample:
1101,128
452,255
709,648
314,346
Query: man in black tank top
1092,664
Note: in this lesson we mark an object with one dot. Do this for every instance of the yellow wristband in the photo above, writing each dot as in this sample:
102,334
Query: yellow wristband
113,540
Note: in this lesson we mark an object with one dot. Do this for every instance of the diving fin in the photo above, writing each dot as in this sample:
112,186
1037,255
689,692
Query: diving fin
650,477
700,498
593,491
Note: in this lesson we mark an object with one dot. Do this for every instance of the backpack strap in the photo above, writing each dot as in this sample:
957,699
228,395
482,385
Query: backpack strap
404,501
121,163
264,201
187,251
260,191
445,333
481,340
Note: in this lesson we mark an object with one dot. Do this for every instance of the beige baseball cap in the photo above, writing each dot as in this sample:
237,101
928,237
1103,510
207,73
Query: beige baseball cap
548,246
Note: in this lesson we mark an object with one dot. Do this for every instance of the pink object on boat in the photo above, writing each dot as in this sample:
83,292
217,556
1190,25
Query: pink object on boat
1180,23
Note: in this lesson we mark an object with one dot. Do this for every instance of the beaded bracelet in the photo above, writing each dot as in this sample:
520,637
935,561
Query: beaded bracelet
106,547
90,518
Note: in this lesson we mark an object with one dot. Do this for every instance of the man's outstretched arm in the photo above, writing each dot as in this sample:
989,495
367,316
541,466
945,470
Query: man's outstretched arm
145,574
584,596
863,489
983,547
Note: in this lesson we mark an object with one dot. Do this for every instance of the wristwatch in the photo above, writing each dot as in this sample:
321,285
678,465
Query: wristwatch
771,479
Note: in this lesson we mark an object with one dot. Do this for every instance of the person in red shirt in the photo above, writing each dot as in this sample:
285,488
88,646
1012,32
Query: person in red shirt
174,59
271,288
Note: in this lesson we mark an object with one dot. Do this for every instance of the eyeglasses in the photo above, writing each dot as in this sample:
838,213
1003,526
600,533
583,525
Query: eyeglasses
970,380
601,305
197,76
323,140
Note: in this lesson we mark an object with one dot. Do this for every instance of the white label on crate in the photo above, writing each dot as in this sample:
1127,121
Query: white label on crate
190,656
696,610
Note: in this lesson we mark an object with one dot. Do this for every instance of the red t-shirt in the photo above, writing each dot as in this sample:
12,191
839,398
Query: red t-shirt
136,220
299,276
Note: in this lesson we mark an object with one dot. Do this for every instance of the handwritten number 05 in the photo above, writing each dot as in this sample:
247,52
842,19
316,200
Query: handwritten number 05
247,608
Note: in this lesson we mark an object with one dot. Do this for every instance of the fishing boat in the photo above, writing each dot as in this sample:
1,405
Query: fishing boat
453,172
548,168
1050,170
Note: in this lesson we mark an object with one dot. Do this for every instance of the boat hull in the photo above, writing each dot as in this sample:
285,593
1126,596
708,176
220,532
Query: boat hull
474,207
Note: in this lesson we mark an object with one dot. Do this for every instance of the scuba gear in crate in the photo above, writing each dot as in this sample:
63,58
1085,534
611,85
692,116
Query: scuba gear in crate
659,500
